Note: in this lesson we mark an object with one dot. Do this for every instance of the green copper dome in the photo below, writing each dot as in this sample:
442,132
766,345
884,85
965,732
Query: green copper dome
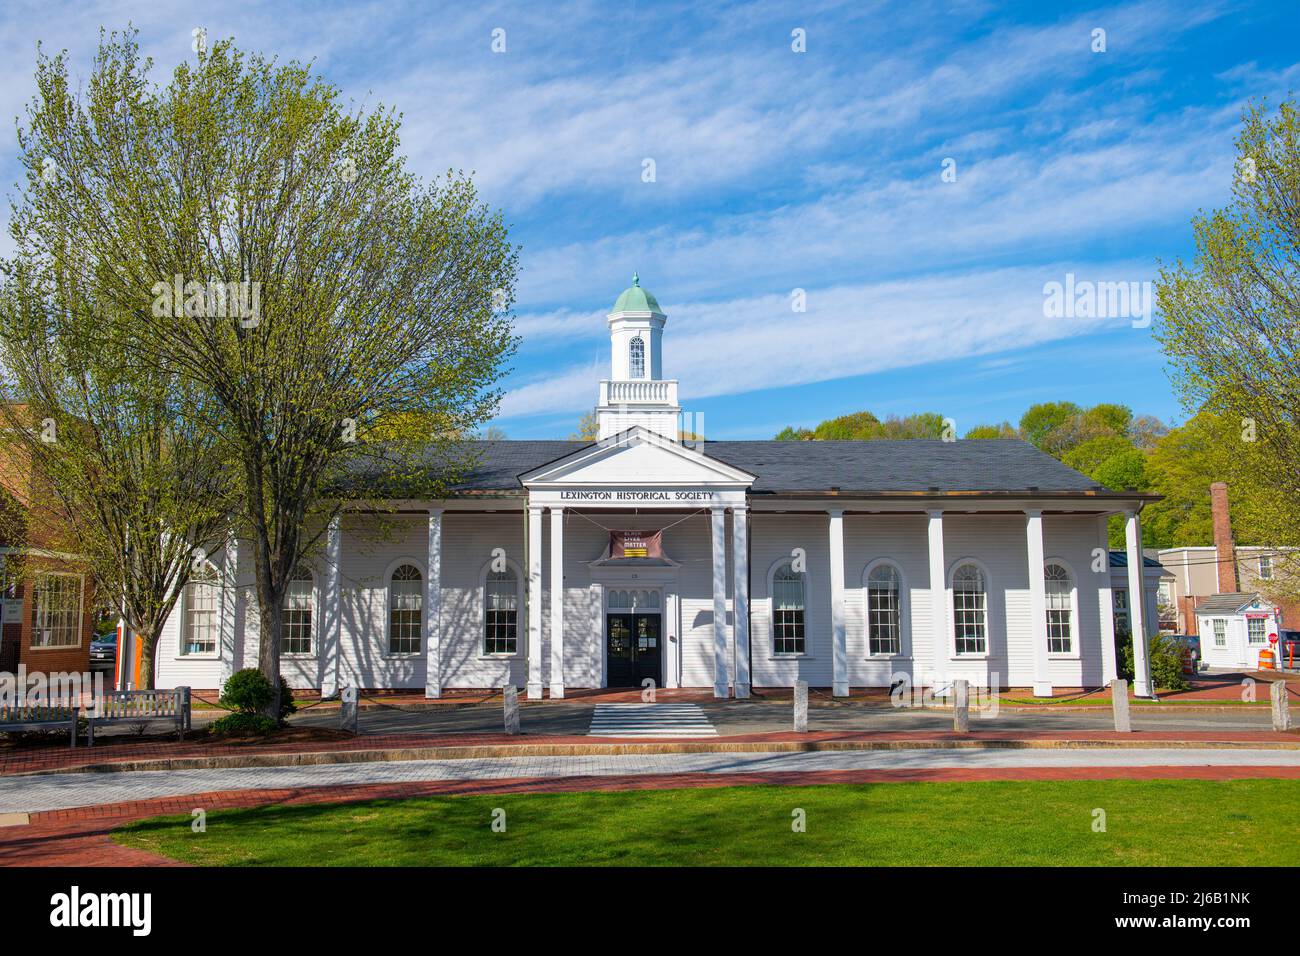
636,299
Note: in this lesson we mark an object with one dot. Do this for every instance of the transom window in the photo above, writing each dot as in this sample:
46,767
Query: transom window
636,358
501,621
620,600
405,610
56,610
199,624
1220,633
788,604
1060,609
884,624
296,616
1254,630
970,610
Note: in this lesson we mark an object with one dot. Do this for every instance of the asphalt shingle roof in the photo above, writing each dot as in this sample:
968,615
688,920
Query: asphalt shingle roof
1225,603
869,467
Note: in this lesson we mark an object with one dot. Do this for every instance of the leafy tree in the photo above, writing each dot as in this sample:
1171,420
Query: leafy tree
588,427
1146,431
124,475
1003,430
921,425
1108,418
856,425
1231,319
1039,421
1092,454
790,433
275,254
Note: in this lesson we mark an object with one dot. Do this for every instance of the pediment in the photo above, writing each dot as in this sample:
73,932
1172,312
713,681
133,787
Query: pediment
638,457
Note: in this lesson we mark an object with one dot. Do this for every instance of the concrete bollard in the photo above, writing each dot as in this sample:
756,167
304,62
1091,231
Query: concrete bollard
961,706
1119,705
801,707
1281,705
510,694
348,710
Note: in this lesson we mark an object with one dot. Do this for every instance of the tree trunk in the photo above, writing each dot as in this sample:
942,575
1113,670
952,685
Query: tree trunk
148,638
268,648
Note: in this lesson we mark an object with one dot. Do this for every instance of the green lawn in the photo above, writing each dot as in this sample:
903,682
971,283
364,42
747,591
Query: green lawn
1161,823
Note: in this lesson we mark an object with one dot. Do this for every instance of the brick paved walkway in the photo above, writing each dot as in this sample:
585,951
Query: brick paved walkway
63,791
45,759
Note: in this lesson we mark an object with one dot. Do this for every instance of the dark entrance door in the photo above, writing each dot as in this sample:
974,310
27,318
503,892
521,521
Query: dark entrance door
634,649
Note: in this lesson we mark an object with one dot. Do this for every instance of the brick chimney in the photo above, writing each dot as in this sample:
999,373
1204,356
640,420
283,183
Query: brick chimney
1227,554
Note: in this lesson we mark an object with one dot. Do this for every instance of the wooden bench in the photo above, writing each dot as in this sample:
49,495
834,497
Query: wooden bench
141,706
40,717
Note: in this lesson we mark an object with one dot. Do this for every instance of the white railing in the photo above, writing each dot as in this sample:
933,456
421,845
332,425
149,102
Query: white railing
636,391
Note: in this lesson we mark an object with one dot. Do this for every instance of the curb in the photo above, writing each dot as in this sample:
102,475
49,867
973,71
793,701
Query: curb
316,758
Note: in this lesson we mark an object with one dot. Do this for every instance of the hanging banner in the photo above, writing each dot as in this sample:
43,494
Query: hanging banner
635,544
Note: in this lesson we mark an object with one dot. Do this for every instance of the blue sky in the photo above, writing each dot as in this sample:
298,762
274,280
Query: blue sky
777,170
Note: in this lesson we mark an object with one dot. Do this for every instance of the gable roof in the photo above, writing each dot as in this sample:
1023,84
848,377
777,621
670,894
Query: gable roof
1229,603
882,467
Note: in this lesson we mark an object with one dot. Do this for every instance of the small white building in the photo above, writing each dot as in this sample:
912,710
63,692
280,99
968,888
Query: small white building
1234,628
723,564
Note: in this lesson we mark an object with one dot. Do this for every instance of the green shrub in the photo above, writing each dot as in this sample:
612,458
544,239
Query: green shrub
247,691
241,724
1166,656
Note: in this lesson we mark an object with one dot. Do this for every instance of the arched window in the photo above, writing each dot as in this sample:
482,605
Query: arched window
884,616
970,609
788,605
1060,608
501,617
636,358
199,614
405,610
296,615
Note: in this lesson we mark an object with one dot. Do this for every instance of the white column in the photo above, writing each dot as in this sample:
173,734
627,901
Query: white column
534,602
433,608
740,595
938,599
557,603
332,601
1038,603
1137,605
839,638
1106,597
719,529
229,608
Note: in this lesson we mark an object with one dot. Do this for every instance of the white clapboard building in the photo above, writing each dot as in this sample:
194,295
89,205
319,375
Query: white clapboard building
731,565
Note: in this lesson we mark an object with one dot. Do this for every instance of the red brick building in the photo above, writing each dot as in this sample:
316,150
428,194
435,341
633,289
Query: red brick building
46,593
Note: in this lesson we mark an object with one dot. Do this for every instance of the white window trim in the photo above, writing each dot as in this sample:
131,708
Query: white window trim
387,639
645,371
521,625
904,613
952,616
182,604
81,609
1074,653
772,653
314,653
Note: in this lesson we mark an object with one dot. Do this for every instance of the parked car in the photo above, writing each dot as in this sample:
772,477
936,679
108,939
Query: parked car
1190,647
1288,648
103,653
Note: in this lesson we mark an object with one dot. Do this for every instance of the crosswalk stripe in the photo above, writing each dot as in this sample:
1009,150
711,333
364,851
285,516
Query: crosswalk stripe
650,720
